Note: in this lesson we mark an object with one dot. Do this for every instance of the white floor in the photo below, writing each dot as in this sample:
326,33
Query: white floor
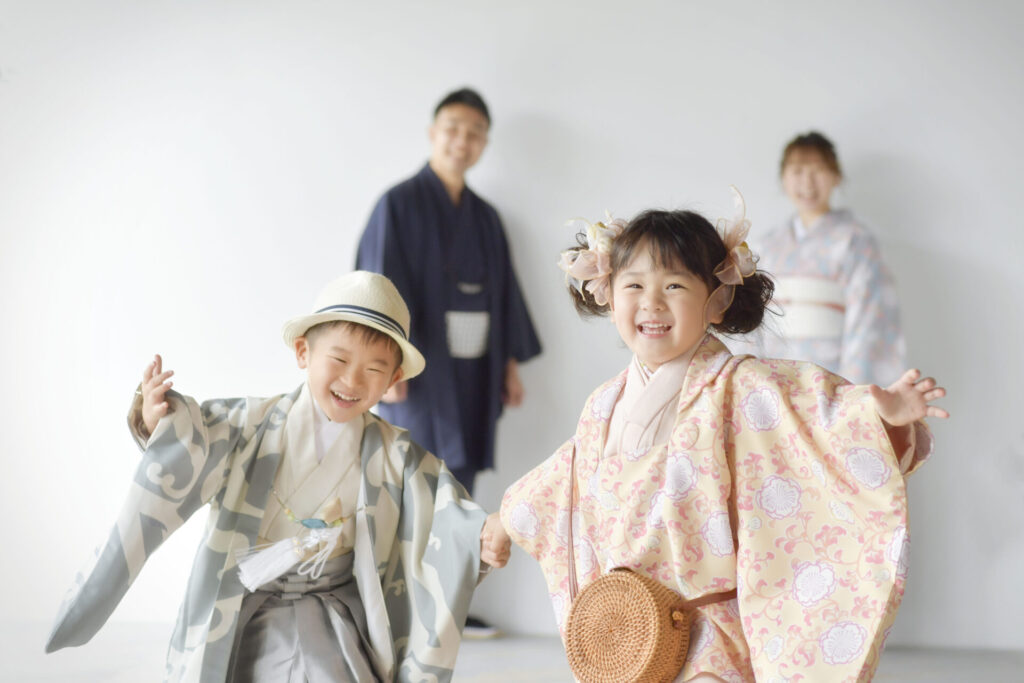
133,653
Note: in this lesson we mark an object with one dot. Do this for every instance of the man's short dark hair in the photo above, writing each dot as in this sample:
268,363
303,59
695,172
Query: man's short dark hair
466,96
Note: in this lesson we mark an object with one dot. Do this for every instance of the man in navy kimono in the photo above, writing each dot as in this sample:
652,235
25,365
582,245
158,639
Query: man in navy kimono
445,249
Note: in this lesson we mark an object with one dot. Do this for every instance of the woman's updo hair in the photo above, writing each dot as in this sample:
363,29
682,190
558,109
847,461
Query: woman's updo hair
686,239
815,142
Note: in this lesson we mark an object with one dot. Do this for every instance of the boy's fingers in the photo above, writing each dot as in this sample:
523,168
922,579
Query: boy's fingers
159,380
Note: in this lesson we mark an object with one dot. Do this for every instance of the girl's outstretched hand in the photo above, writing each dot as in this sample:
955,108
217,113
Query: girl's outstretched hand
908,399
154,391
495,544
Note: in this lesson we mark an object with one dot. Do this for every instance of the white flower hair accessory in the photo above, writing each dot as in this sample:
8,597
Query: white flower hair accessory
739,263
590,268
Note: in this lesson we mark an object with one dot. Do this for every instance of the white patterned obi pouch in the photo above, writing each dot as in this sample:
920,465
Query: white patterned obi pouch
468,332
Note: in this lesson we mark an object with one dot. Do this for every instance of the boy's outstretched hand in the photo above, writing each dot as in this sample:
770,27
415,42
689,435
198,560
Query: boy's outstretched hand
495,544
908,399
154,393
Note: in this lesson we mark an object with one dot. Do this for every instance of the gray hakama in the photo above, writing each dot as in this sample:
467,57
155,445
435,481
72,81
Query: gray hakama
300,630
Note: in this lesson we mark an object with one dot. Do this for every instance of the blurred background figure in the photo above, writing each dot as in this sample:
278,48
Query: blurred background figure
445,249
838,300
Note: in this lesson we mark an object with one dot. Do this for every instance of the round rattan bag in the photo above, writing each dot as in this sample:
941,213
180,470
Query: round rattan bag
624,627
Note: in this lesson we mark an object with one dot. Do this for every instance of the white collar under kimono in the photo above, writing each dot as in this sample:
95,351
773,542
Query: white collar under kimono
646,410
323,485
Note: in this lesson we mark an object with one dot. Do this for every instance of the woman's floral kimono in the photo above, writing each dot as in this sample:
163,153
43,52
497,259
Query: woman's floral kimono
779,479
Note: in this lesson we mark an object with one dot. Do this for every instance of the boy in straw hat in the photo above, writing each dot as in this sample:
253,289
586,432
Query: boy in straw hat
337,549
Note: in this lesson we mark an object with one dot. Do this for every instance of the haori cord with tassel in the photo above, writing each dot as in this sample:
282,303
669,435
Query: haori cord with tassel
260,564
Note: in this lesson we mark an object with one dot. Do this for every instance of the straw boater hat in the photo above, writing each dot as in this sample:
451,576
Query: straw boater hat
368,299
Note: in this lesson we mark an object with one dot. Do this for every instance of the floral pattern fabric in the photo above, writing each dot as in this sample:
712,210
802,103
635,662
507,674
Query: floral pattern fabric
779,480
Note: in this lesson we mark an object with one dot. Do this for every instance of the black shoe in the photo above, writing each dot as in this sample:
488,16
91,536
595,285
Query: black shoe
478,629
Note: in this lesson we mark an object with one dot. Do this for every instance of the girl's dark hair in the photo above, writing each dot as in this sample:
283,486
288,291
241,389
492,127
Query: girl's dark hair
812,140
687,239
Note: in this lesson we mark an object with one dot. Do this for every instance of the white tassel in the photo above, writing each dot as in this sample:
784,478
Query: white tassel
266,563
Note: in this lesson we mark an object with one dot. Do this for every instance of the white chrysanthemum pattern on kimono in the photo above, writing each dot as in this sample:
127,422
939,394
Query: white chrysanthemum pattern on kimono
559,605
525,520
843,642
717,533
773,648
841,511
761,409
655,518
605,403
586,558
701,635
562,527
819,472
720,533
828,410
779,497
680,475
813,582
899,551
868,466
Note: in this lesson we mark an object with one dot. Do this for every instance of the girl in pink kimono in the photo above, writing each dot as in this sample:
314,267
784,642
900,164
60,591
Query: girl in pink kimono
710,472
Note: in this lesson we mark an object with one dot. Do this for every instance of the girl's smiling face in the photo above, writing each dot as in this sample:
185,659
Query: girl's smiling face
658,310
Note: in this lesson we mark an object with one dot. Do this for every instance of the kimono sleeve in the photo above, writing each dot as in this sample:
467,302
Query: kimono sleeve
522,342
434,564
182,468
872,345
382,250
821,520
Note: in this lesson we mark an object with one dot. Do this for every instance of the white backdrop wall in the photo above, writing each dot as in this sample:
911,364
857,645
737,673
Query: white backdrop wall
181,177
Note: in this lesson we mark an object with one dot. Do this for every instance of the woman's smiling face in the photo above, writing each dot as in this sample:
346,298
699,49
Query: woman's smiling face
658,310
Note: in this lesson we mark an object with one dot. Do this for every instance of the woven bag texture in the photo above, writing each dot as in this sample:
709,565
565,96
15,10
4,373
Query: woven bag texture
620,630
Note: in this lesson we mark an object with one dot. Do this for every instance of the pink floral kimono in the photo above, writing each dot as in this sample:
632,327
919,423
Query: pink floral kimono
776,478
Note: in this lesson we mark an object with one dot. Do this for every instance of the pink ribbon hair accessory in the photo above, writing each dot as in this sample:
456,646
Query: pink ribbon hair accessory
739,262
590,268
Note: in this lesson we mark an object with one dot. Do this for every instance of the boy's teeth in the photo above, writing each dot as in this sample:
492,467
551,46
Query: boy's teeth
345,398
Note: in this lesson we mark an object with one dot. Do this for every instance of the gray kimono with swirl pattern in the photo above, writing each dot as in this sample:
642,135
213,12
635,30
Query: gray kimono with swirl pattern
417,551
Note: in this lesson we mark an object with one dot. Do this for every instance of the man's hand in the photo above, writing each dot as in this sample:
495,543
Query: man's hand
512,388
154,393
495,544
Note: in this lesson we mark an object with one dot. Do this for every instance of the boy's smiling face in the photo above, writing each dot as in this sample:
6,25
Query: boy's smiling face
347,374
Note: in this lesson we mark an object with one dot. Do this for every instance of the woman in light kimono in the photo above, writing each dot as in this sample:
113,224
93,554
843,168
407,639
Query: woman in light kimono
839,302
710,472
